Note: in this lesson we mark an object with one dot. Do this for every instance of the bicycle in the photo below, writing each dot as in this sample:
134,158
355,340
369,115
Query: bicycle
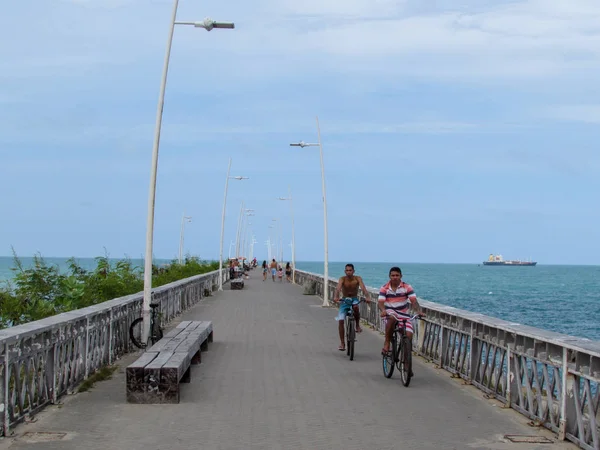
400,353
350,323
136,328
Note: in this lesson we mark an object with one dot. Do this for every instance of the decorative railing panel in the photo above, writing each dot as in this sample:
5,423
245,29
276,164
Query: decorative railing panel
41,361
549,377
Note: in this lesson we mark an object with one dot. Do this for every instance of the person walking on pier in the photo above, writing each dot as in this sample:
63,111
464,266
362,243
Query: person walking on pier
273,267
288,272
264,268
348,285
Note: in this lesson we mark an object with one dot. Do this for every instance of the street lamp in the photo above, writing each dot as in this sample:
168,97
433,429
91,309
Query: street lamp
244,233
238,235
242,229
184,219
326,262
279,239
254,241
293,233
271,244
208,25
239,178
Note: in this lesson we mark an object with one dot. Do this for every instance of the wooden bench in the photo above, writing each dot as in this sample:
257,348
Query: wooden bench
156,375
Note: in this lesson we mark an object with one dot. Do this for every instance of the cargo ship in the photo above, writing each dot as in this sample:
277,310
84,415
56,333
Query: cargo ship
497,260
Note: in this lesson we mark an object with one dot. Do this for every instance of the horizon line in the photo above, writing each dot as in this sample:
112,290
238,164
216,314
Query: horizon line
306,261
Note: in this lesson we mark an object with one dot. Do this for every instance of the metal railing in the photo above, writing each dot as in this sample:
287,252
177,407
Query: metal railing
549,377
41,361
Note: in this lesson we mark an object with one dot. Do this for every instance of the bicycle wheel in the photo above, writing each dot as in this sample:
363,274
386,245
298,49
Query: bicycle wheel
351,338
135,332
157,333
388,358
406,361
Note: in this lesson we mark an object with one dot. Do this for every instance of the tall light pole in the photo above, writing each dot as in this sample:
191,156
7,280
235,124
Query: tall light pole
223,222
238,240
231,244
326,262
208,24
293,233
279,240
254,241
184,219
271,243
243,236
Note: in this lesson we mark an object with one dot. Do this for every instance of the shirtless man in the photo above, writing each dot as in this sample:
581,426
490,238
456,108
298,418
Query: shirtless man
349,285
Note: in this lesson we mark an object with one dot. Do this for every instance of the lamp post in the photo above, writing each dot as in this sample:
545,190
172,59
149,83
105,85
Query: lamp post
208,24
271,244
279,240
243,234
326,262
293,245
238,240
254,241
239,178
184,219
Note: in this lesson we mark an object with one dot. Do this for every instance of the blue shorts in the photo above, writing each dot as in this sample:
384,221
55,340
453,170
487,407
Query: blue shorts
345,306
273,272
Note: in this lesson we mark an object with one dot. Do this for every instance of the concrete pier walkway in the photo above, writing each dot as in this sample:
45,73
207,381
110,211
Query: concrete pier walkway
274,379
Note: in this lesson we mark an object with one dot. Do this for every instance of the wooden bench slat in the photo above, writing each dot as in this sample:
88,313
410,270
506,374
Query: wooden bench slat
174,371
174,332
135,377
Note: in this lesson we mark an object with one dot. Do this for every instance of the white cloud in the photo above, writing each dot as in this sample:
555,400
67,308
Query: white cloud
347,8
575,113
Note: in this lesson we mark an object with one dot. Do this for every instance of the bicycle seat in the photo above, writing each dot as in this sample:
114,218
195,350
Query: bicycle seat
154,305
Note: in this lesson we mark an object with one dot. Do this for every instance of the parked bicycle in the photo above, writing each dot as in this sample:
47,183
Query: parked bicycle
350,323
400,354
137,327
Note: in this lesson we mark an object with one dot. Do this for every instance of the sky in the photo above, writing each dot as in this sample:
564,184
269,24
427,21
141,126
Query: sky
450,129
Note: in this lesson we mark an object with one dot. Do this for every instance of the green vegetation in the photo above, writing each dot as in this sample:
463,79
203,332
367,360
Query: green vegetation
42,290
104,373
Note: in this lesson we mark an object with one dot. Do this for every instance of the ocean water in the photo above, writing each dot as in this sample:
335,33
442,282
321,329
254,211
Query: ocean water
565,299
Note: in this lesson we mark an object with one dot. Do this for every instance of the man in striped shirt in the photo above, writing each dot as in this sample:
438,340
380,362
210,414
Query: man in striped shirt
394,301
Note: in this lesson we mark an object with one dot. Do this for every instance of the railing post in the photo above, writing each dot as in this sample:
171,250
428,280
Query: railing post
87,348
445,338
110,337
5,412
54,366
509,374
473,354
562,425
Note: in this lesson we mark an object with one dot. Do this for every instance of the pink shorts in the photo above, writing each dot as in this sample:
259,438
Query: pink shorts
399,318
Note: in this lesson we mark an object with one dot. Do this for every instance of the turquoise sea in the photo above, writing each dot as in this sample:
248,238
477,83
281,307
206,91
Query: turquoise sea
559,298
565,299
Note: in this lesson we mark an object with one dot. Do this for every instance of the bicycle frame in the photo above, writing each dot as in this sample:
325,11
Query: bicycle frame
349,324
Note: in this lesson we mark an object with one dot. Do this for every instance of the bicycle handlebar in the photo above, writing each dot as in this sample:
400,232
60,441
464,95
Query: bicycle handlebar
406,318
345,300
